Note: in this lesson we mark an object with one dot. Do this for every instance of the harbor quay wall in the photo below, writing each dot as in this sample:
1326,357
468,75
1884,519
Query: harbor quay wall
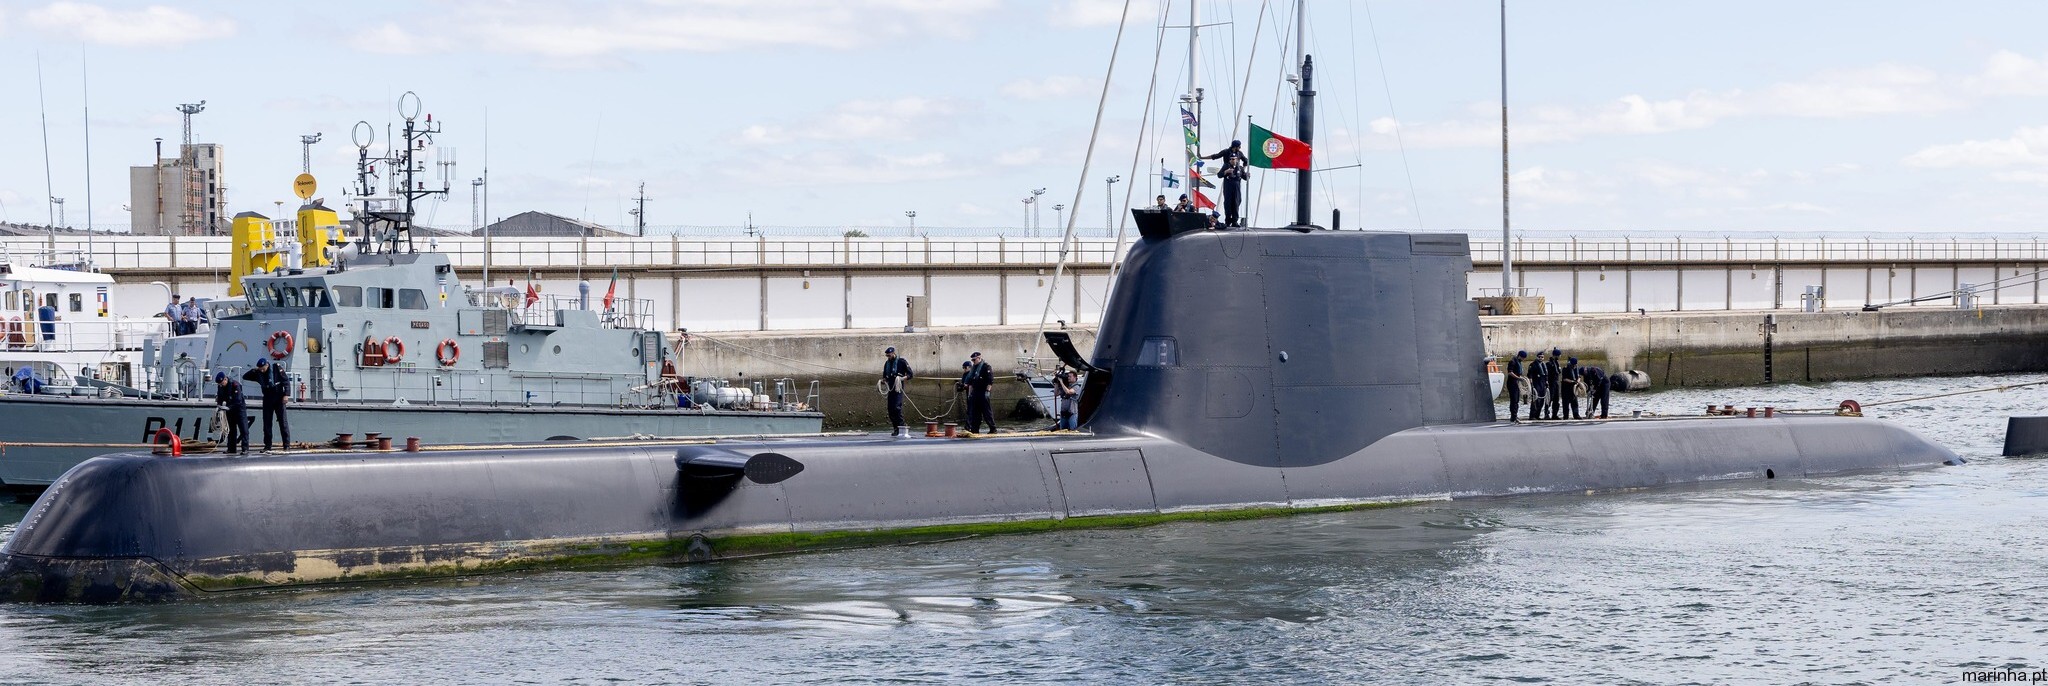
1675,348
846,364
1732,348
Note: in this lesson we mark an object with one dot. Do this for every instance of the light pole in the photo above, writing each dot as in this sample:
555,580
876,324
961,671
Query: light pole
59,204
1059,218
306,151
1027,215
1034,210
1109,205
912,214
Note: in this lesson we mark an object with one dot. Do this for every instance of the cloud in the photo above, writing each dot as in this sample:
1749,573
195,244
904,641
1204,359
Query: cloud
1832,94
1081,14
155,26
2027,146
1048,88
821,167
579,30
2011,73
1020,157
903,118
1539,186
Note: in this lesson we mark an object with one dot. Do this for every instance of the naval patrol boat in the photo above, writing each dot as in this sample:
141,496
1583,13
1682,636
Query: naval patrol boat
378,336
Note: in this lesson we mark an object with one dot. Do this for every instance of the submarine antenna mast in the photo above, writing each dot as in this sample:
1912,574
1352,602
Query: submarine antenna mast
1305,125
1507,258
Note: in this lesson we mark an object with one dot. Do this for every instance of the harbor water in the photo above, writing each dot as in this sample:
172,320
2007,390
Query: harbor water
1884,578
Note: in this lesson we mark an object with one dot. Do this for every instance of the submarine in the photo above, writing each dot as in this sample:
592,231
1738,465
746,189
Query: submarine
1237,373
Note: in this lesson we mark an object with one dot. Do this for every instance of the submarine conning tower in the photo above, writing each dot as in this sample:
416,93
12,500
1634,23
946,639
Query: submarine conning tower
1284,347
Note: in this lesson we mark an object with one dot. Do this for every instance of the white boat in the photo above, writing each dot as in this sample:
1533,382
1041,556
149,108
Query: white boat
59,317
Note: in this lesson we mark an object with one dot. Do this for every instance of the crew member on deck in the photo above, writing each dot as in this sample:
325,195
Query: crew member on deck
234,408
1233,173
276,385
980,378
1516,381
1184,205
1568,389
1159,203
1554,375
173,313
1596,390
1540,397
895,374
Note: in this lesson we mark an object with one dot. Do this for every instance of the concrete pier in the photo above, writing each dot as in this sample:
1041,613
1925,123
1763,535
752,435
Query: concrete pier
1723,348
848,363
1731,348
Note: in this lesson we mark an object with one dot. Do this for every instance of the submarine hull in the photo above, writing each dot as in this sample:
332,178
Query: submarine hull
137,527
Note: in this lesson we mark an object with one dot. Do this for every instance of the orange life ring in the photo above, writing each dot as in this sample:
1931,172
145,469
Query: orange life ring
394,350
279,352
447,353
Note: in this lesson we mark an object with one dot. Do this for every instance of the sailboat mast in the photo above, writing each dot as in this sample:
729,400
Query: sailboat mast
1194,98
1507,259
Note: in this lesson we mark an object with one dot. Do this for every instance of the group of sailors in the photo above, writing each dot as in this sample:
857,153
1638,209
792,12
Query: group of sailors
977,378
185,317
1554,386
233,407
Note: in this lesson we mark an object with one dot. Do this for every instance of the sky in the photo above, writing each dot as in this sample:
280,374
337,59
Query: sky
1641,117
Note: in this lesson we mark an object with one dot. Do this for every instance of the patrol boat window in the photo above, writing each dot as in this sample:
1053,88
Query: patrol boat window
412,299
348,296
380,297
290,297
316,296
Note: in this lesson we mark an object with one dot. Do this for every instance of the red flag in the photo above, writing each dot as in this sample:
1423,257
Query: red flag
611,290
532,296
1202,202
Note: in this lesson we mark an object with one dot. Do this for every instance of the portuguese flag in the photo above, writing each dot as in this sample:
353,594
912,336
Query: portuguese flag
1273,151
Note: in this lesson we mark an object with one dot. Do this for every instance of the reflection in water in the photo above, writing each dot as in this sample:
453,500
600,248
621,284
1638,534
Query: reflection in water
1869,578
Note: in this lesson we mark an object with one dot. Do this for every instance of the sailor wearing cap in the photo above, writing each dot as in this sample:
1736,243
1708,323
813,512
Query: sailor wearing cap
980,378
1516,381
895,374
276,385
233,412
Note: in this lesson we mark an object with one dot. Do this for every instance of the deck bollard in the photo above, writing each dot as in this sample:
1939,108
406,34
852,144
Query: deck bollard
412,444
931,429
952,430
383,442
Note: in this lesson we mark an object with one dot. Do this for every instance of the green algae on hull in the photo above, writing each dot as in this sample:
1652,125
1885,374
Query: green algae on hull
588,553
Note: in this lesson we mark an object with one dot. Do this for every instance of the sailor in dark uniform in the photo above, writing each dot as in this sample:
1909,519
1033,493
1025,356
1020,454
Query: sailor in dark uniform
234,406
980,378
1568,390
1554,375
1539,389
1596,390
276,387
1233,174
895,374
1516,378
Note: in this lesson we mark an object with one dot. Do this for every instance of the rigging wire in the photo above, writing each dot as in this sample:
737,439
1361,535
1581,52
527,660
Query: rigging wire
1081,184
1279,86
1237,117
1388,88
1123,218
